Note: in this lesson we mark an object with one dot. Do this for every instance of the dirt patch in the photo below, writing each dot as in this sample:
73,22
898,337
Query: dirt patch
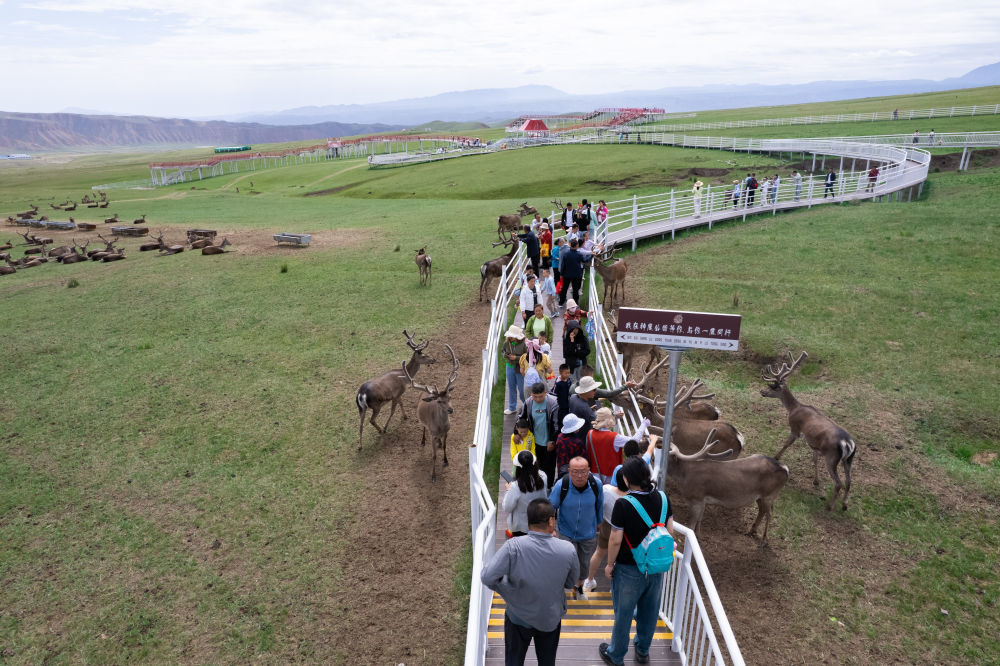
411,572
329,190
261,241
989,157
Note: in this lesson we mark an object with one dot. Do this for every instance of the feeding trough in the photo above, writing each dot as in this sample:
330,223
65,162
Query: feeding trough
129,230
200,234
301,240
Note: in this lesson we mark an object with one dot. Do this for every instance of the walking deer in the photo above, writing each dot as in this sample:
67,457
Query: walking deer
389,387
730,483
612,274
494,267
825,438
433,412
423,261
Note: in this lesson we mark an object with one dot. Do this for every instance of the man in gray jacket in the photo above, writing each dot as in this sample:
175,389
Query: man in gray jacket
542,413
531,573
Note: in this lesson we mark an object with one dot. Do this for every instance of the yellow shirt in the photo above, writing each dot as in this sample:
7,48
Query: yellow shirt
527,444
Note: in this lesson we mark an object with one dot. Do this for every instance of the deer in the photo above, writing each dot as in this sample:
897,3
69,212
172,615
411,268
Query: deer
9,269
729,483
201,242
103,205
141,220
527,210
216,249
433,412
6,246
165,249
389,387
512,223
111,220
688,434
59,251
76,256
824,436
687,407
109,248
612,274
423,261
71,207
494,267
116,255
155,245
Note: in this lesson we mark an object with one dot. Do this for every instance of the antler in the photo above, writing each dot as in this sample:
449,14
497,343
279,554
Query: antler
649,373
710,441
510,239
687,395
454,370
412,343
773,375
420,387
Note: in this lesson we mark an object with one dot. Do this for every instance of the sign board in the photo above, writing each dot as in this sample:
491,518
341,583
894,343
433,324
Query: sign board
680,329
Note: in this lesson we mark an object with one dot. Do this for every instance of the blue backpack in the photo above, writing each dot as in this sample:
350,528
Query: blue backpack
655,553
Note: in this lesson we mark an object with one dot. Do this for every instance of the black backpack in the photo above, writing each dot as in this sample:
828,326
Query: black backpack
594,488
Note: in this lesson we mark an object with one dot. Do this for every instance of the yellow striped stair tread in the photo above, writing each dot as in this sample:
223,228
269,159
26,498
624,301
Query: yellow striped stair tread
592,635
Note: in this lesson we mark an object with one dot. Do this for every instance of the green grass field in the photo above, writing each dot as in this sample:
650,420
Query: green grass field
178,474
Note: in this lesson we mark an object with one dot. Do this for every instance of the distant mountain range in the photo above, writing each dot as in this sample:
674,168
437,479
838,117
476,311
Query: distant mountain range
25,132
497,104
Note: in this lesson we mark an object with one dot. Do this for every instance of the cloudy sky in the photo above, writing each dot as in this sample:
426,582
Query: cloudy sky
200,58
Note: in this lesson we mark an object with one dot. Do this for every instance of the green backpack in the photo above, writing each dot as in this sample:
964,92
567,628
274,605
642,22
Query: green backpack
655,553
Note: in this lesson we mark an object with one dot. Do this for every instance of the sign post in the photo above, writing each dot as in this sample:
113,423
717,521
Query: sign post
676,331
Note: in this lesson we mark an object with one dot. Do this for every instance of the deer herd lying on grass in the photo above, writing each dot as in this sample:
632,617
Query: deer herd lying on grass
38,253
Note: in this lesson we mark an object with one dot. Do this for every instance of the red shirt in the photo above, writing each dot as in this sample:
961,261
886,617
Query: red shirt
601,452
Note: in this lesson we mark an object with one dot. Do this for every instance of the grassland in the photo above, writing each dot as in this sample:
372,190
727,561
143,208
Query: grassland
179,480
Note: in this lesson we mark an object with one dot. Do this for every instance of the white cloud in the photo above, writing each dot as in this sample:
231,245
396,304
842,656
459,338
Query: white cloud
279,55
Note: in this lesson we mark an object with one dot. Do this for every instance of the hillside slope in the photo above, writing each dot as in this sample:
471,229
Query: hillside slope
42,131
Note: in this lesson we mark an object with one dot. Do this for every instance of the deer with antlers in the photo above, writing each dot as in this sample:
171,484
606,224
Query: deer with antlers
433,412
511,224
494,267
690,424
423,261
109,248
825,438
612,272
77,254
389,387
729,483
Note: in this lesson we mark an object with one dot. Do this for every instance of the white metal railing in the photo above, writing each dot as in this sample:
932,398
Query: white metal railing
483,509
696,625
910,114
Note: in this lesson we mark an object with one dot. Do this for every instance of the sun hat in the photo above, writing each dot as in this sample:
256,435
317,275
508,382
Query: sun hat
698,183
571,304
571,423
544,225
586,385
604,419
515,332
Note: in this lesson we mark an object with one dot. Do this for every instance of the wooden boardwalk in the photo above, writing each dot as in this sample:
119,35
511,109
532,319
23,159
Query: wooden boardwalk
588,622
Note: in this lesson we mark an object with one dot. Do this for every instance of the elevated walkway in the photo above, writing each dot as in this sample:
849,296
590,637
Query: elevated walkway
588,622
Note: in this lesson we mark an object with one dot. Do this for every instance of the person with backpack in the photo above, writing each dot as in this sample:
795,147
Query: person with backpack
579,499
530,573
751,188
643,522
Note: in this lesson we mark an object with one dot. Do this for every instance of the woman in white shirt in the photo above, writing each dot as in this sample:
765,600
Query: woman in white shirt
529,483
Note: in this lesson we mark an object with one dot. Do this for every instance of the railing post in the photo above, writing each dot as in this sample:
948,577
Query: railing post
635,218
812,182
680,596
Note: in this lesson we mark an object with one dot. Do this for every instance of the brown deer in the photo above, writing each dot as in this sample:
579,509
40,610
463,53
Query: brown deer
111,220
9,269
389,387
685,408
103,205
612,273
202,242
6,246
825,438
730,483
689,434
116,255
76,256
494,267
69,208
141,220
216,249
433,413
511,224
423,261
155,245
109,248
527,210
